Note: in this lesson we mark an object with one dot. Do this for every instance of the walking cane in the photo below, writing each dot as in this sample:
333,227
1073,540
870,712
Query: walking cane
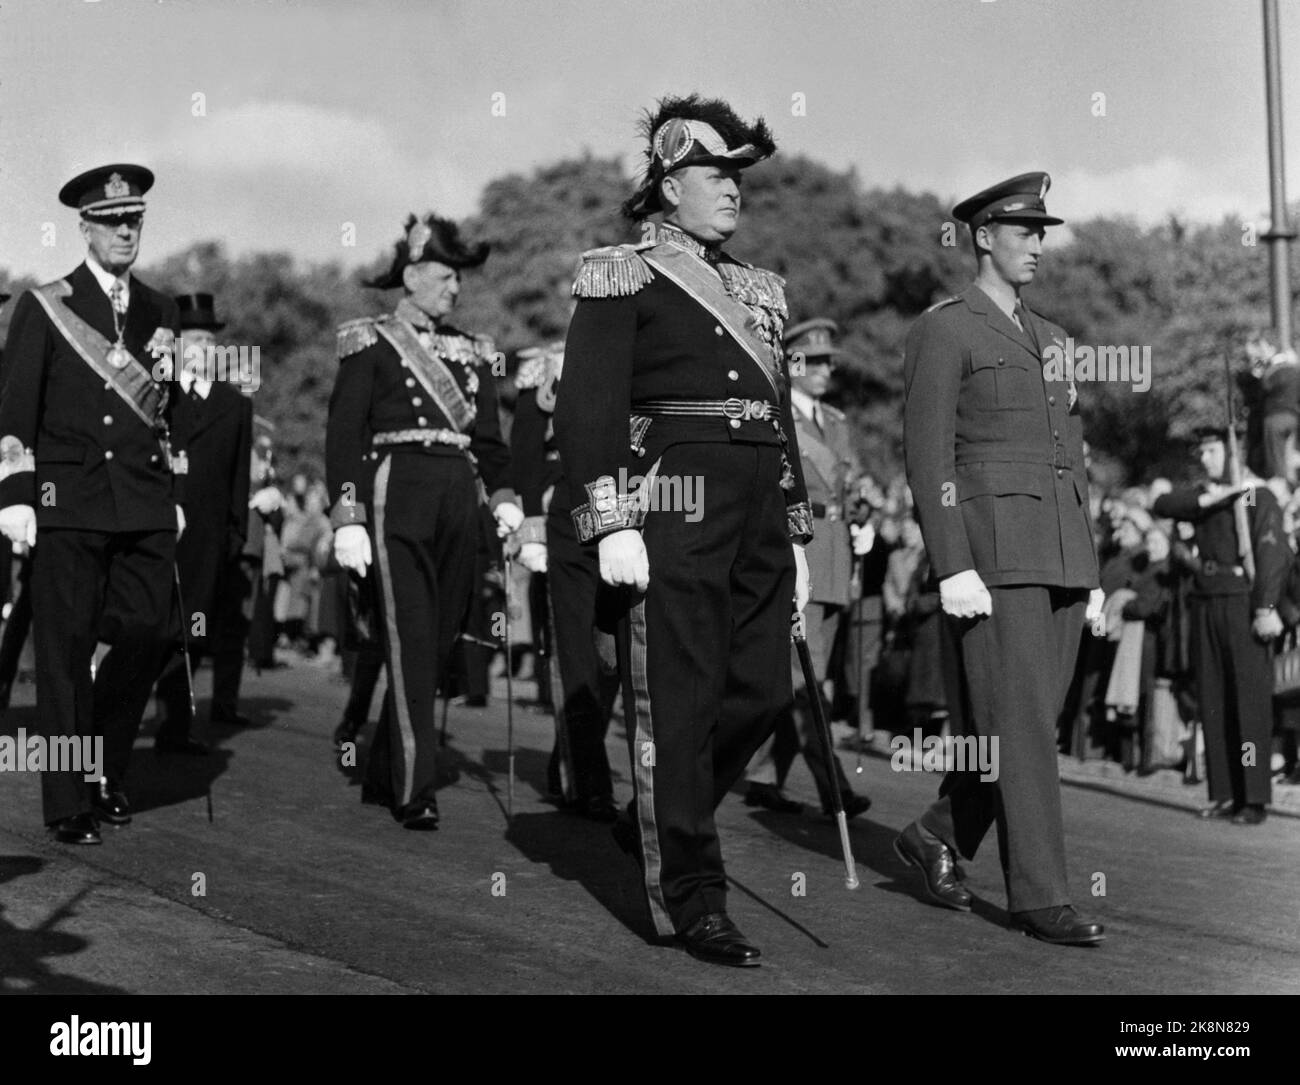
185,641
510,700
862,654
824,732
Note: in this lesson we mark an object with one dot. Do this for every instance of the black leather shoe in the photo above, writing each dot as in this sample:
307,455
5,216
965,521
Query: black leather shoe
935,861
188,747
422,815
79,829
1226,808
600,808
230,719
1061,926
769,797
1253,813
853,805
715,939
109,804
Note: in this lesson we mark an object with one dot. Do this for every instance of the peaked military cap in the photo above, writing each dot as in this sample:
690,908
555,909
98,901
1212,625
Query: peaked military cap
430,238
813,338
108,191
1019,199
694,131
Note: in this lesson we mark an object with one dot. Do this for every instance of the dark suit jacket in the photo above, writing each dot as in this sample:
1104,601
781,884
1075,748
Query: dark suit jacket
98,466
217,435
994,449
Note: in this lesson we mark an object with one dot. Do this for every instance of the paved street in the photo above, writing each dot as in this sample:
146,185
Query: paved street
305,890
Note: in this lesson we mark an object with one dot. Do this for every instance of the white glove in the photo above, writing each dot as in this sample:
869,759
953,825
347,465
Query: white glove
532,556
267,500
18,524
864,538
963,595
802,581
352,548
1094,615
509,516
623,560
180,522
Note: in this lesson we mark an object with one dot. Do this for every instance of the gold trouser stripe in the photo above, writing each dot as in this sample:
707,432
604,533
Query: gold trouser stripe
645,791
394,641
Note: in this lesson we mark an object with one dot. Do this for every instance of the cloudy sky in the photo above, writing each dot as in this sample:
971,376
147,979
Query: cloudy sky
279,124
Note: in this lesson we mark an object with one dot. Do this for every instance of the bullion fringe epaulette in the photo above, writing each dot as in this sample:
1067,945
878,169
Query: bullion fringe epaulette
538,365
355,335
755,286
615,271
799,521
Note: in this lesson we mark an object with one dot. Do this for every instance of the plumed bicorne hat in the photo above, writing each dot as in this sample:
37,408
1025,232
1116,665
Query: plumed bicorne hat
430,238
694,131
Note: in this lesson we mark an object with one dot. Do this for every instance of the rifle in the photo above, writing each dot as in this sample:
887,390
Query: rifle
1239,518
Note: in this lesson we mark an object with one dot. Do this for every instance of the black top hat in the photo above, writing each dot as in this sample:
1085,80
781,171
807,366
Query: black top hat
108,191
694,131
1019,199
197,311
4,298
432,238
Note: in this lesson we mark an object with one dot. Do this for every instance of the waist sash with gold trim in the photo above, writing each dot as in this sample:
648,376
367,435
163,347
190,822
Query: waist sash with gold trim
431,372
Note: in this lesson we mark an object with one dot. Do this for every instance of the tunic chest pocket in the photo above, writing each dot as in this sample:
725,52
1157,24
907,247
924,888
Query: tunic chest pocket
1005,380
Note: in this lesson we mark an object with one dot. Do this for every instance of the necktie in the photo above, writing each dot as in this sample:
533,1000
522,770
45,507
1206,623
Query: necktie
115,295
817,417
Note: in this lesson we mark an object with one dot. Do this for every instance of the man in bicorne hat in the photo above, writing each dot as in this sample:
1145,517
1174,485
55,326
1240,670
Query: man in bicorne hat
213,427
682,461
413,439
993,443
87,478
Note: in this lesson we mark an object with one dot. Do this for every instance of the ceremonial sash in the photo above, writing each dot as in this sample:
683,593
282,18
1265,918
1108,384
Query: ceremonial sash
133,383
705,285
430,371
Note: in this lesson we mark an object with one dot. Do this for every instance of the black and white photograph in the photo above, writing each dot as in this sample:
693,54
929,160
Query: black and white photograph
594,497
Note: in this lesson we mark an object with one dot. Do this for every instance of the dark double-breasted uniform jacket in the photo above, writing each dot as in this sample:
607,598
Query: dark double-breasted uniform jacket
97,465
993,442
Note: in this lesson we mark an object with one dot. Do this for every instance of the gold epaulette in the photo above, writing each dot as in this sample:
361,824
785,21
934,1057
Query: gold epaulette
538,364
942,302
485,347
754,286
612,272
355,335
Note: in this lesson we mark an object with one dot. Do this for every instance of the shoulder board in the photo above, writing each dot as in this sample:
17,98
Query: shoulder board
945,302
612,272
355,335
754,285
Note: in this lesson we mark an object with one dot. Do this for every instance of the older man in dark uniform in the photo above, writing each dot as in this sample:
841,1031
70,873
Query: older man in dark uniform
87,479
993,443
413,424
830,471
213,428
675,431
1234,619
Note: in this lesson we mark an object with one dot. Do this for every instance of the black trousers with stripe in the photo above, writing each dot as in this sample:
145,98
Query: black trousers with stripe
1016,666
1234,690
706,656
423,531
90,586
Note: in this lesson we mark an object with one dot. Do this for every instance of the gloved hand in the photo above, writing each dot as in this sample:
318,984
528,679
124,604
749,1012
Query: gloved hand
267,500
352,548
1095,615
18,524
1266,625
864,538
532,556
623,560
508,516
963,595
802,580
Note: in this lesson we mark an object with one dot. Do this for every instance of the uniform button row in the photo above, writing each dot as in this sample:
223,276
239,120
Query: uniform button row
416,401
717,329
733,375
108,419
410,382
735,423
109,454
1051,401
423,421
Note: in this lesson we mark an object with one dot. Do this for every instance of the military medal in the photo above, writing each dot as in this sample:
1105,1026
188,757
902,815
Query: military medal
118,356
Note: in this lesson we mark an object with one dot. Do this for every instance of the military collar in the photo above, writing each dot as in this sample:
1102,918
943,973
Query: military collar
675,235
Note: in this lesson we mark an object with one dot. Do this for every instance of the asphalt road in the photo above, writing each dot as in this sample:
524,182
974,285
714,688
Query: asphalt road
304,890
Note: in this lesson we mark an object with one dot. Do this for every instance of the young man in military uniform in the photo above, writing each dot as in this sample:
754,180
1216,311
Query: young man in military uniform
583,611
675,387
993,443
413,424
87,480
213,429
830,470
1234,620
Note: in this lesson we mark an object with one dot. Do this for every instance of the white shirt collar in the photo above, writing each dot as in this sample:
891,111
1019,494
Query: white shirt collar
189,380
106,279
804,404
